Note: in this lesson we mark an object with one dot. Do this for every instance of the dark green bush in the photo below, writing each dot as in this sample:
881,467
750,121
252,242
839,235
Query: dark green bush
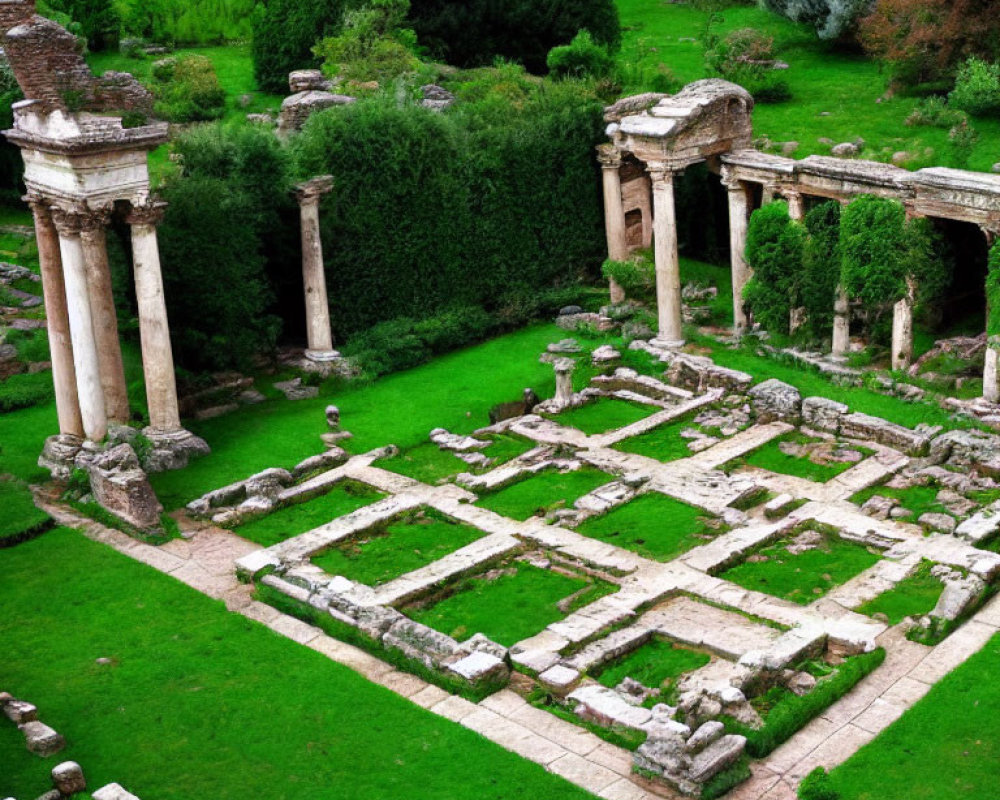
25,390
581,58
820,262
977,88
284,34
98,20
473,33
818,786
774,251
993,292
637,275
187,90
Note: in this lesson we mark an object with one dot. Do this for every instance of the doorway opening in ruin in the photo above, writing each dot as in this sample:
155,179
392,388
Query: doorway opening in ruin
963,307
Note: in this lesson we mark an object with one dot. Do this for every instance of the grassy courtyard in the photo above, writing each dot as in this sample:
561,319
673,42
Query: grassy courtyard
605,414
775,456
543,491
237,710
654,664
913,596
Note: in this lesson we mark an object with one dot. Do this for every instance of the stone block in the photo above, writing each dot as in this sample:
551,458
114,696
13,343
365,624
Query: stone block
68,778
479,666
113,791
420,642
823,414
40,739
866,427
559,678
20,711
716,757
120,486
774,399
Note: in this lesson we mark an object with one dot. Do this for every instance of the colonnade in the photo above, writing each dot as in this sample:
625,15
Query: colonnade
87,369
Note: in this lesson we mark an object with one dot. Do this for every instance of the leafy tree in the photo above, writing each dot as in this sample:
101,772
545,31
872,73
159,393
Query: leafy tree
977,88
98,20
833,19
774,251
284,34
581,58
373,44
821,266
472,33
993,291
923,40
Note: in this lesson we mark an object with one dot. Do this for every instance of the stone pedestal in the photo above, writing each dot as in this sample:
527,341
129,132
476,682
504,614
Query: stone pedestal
93,238
85,356
318,331
564,381
668,277
57,315
841,323
741,272
614,213
902,334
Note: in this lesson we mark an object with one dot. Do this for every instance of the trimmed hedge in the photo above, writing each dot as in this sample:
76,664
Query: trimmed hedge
25,390
21,519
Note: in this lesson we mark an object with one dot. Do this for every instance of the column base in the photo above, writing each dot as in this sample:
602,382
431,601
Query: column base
58,455
172,449
667,344
323,355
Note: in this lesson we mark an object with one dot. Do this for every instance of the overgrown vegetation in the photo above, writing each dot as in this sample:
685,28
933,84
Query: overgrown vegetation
774,252
655,664
284,34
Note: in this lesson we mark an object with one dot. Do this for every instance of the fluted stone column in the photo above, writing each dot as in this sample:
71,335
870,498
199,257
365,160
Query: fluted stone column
93,238
154,330
668,277
86,360
318,332
739,207
614,212
57,316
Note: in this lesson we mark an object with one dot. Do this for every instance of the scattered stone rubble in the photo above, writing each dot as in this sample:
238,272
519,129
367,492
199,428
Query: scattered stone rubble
39,738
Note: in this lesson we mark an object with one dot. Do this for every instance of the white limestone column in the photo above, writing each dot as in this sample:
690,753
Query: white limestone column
318,331
614,212
154,330
668,276
93,237
57,316
902,334
841,323
86,360
738,215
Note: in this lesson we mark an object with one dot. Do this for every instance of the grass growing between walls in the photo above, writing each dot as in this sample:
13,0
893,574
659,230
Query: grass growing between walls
913,596
238,710
603,415
543,491
654,664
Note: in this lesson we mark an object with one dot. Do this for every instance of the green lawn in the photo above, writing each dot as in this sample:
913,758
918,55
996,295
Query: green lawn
804,577
426,463
19,516
543,491
199,703
406,545
664,442
947,747
512,606
653,525
917,499
835,94
346,496
455,391
911,597
604,414
771,457
653,664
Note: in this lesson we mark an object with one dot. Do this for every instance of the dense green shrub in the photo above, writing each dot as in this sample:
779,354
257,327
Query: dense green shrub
774,251
284,34
818,786
186,22
935,112
993,292
977,88
25,390
477,207
635,276
746,57
581,58
821,266
187,90
472,33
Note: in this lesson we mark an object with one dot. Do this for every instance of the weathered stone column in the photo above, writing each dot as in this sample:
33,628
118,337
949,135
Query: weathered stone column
738,215
796,205
154,330
668,277
57,316
767,194
902,328
841,323
614,212
564,381
318,332
85,356
93,237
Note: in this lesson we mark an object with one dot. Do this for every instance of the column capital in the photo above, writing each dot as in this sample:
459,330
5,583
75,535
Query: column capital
146,212
730,180
313,189
609,156
660,172
37,203
80,220
991,230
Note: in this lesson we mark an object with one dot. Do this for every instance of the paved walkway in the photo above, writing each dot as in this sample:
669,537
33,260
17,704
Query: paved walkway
205,562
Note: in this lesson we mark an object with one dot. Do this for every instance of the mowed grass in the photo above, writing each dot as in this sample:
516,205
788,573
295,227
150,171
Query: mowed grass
654,664
804,577
512,605
455,391
664,442
379,556
652,525
604,414
916,499
773,459
426,463
345,496
199,703
543,491
836,94
19,514
947,747
913,596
